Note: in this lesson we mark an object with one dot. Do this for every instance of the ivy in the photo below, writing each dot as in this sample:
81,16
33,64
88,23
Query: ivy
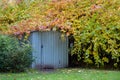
94,24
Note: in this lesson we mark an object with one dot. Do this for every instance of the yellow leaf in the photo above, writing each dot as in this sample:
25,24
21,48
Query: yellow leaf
105,59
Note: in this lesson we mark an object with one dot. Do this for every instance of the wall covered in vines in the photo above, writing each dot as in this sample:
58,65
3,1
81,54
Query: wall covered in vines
94,24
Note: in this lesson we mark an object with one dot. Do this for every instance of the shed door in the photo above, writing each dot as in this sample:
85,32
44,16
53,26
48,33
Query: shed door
50,49
54,51
36,45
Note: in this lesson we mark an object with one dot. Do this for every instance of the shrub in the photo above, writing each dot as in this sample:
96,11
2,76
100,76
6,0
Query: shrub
13,56
97,34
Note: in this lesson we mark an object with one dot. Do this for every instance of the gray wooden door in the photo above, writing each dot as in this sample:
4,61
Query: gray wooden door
54,51
49,49
36,51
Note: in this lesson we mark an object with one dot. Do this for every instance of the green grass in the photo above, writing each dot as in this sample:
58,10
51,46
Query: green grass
63,74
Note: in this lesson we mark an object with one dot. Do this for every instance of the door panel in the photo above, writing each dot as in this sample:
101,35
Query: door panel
47,50
62,51
36,45
54,49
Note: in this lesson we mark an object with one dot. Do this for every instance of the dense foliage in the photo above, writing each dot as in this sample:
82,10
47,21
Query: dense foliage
11,14
13,57
94,24
97,33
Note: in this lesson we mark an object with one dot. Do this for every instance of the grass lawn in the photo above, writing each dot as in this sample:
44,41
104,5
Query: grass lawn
63,74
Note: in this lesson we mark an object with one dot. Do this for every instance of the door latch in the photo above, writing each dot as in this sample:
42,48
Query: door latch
41,46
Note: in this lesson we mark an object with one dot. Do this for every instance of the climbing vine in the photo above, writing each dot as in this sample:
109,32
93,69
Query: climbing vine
94,24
